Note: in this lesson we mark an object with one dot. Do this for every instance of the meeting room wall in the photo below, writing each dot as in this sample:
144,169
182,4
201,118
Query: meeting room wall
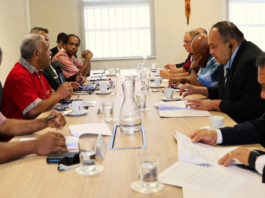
12,30
170,25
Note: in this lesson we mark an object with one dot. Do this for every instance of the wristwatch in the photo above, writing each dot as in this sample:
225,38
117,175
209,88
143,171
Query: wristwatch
252,158
194,68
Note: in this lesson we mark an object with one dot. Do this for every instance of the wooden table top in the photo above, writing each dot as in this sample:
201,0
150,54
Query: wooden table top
32,177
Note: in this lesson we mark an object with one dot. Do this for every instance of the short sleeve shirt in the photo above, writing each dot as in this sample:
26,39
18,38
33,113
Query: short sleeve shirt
2,118
70,66
24,88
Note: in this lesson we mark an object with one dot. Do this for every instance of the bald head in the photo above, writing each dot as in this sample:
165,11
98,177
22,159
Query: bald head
201,48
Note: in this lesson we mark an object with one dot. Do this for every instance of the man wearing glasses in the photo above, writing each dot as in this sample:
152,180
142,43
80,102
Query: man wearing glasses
70,65
181,70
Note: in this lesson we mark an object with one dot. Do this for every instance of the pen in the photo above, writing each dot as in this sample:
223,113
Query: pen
51,117
97,73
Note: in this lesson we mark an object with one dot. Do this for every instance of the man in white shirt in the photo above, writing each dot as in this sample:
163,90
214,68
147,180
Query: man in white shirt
250,132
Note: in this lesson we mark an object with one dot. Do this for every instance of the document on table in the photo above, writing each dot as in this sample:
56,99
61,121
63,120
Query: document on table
70,141
197,153
210,181
93,128
179,109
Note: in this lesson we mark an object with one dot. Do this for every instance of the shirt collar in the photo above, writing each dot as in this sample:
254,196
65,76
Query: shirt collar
28,66
228,65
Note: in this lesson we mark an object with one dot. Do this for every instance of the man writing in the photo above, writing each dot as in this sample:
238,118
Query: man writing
238,90
26,92
203,62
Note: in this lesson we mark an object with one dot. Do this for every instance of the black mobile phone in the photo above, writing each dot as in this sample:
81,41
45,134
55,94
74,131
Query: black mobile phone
56,157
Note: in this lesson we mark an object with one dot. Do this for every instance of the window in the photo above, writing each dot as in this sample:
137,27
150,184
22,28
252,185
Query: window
249,16
118,29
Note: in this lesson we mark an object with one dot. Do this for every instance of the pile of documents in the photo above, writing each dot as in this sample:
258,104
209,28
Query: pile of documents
179,109
199,174
92,128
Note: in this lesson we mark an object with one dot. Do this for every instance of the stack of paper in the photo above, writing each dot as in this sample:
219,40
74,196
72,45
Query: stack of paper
93,128
213,180
179,109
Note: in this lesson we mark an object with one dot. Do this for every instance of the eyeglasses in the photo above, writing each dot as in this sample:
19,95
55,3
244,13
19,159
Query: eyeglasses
72,44
186,42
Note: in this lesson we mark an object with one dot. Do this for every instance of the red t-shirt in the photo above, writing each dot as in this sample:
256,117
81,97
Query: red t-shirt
187,64
22,91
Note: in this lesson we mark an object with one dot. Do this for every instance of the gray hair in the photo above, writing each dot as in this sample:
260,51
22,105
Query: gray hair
1,53
193,33
203,30
29,44
37,29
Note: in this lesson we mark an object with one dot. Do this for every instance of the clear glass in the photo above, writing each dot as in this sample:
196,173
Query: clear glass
130,117
145,84
148,165
117,73
112,85
108,110
87,154
111,71
141,100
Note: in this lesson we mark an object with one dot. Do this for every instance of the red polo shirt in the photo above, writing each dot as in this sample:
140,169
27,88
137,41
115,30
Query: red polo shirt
24,88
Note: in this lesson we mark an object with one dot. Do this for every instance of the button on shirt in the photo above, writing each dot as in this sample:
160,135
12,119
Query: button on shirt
70,66
24,88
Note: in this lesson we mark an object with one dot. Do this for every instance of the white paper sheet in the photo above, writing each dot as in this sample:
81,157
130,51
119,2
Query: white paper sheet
211,181
183,112
70,141
93,128
197,153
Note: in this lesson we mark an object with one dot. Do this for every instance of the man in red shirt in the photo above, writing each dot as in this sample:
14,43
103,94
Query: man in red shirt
181,70
26,92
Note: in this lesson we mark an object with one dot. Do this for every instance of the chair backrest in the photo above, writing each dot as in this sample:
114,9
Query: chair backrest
1,96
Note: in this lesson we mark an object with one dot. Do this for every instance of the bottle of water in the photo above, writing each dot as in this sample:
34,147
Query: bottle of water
130,117
146,67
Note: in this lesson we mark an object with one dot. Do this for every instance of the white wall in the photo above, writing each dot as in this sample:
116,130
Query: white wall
12,31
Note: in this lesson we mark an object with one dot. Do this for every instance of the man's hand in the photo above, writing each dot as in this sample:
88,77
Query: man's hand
169,66
195,63
174,70
48,143
65,91
165,74
204,136
75,85
200,105
87,54
241,154
173,82
58,122
80,79
191,90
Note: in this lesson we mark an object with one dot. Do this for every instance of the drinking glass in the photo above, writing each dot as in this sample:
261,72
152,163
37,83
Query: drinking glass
108,110
87,154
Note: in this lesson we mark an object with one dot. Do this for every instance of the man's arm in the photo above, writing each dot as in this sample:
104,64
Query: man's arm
64,91
165,74
193,79
12,127
43,145
85,69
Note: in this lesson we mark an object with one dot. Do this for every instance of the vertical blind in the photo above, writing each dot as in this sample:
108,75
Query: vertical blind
118,30
249,16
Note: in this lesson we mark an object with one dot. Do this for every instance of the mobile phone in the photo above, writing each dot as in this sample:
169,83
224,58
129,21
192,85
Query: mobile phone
60,108
56,157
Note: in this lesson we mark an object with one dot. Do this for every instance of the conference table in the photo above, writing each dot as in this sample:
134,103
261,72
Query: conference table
32,177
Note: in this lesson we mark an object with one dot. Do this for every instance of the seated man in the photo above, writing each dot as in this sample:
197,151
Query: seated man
49,72
70,65
26,92
204,62
60,39
238,90
182,68
250,132
47,143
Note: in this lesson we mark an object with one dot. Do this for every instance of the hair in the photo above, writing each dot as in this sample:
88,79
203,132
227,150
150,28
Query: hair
193,33
29,44
61,37
1,52
203,30
37,29
260,61
228,30
66,39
